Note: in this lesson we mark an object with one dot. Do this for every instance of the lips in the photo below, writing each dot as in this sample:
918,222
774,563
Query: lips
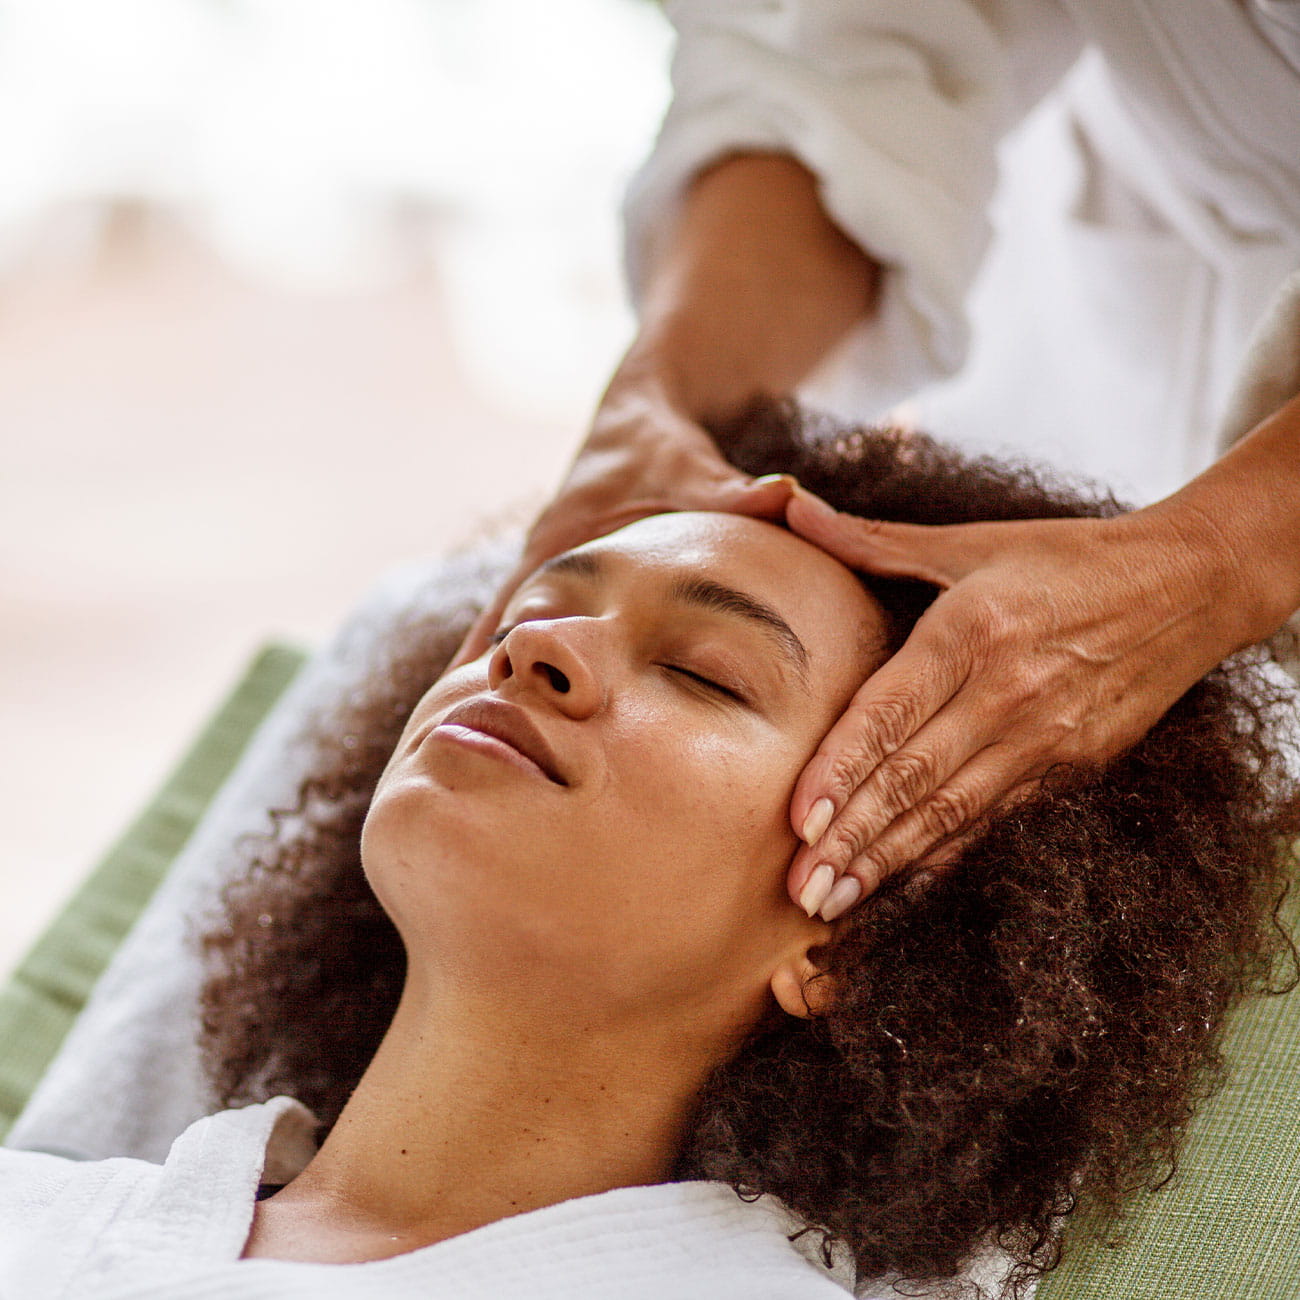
512,726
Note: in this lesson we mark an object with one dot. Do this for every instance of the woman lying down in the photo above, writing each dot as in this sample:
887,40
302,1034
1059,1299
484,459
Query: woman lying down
523,957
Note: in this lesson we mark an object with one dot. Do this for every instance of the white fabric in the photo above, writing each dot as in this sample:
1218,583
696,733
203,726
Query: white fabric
1147,209
1279,21
896,108
129,1230
1270,376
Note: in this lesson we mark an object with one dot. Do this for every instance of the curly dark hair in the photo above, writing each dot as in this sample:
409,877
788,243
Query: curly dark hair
1029,1030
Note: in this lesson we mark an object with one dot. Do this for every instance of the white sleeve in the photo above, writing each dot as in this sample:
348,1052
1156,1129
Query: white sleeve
897,108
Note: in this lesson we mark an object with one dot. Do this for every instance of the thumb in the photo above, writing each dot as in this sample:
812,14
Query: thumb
760,498
940,554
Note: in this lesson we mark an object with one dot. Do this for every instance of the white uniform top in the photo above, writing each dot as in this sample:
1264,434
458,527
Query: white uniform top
1149,208
126,1229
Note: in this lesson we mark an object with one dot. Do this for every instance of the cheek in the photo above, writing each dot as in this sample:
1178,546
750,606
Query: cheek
700,813
698,844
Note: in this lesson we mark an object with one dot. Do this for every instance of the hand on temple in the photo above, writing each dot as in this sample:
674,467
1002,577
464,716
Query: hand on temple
642,458
1052,641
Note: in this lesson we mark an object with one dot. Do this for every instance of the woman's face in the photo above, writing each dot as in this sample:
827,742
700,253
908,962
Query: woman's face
669,681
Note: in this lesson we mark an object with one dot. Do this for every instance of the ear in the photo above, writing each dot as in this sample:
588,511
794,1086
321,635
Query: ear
800,986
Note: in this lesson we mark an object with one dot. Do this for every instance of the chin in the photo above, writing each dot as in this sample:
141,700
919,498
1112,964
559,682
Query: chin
425,832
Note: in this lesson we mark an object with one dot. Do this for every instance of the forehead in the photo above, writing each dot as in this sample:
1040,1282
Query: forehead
821,599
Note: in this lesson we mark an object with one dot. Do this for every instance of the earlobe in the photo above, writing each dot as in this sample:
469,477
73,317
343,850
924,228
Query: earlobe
801,988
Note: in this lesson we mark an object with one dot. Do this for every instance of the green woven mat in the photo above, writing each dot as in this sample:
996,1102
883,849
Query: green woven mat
1228,1226
50,986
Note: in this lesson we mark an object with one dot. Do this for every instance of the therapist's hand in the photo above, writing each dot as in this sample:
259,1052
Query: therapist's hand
1052,641
642,458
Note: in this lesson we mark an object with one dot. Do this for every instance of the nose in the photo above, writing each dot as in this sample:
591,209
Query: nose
546,657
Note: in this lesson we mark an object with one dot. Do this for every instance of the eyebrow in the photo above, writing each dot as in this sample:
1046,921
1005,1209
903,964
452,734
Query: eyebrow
703,593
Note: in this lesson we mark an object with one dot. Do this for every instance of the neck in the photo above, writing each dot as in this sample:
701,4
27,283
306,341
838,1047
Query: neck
460,1121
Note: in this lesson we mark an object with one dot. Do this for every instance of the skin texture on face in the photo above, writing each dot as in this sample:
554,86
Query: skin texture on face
680,671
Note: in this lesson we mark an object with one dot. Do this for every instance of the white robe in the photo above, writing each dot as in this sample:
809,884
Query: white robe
1148,208
126,1229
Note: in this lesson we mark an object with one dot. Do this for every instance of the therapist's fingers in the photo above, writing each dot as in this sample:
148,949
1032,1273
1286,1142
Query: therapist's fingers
917,844
940,554
921,773
887,711
1052,642
926,832
921,836
760,498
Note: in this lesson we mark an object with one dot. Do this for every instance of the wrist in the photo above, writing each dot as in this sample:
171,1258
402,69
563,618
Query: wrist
1230,564
651,397
662,369
1243,514
1198,573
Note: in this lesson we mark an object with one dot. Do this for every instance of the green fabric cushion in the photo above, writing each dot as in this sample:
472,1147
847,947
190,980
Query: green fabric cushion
51,985
1227,1227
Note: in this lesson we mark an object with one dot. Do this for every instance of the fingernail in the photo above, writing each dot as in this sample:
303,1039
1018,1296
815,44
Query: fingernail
817,887
765,479
841,898
818,819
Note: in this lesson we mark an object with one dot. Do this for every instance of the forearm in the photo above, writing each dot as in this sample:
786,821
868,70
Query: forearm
1242,517
753,289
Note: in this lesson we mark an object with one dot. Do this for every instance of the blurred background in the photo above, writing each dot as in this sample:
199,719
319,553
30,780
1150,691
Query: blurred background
291,291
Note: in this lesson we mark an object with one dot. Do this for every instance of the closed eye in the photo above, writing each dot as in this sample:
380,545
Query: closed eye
707,682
